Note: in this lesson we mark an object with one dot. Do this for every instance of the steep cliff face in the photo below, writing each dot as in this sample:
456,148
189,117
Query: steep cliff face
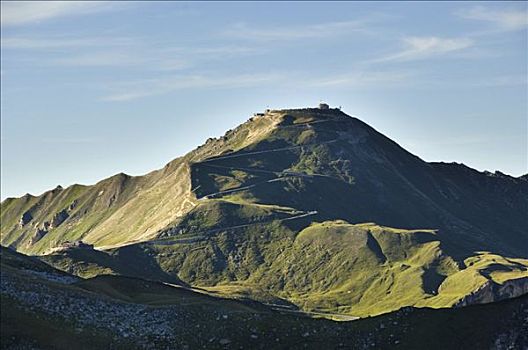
491,291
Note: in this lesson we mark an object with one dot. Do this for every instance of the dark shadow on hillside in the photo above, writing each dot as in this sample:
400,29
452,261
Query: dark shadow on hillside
432,280
135,261
374,246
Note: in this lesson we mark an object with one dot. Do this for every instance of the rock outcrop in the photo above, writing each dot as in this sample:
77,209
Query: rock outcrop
59,218
72,245
491,292
39,234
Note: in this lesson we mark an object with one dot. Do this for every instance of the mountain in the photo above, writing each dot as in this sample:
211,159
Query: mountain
309,207
46,308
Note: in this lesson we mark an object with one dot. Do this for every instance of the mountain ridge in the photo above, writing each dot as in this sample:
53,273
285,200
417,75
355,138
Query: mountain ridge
242,214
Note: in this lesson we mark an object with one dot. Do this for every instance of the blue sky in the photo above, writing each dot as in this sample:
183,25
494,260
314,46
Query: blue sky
90,89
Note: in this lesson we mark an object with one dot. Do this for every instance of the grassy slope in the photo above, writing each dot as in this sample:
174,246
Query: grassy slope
120,209
334,267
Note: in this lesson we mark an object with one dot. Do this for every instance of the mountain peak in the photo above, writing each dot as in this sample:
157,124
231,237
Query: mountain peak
323,110
298,201
311,159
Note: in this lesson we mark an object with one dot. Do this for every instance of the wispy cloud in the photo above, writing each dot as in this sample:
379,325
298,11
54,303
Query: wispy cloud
149,87
323,30
29,12
44,43
362,79
70,51
483,81
99,59
416,48
123,59
503,20
214,51
505,80
72,140
57,42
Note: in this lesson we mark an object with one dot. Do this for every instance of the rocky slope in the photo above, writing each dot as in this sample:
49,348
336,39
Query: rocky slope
45,308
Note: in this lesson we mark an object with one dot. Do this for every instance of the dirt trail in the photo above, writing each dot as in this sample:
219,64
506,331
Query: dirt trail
266,151
203,234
